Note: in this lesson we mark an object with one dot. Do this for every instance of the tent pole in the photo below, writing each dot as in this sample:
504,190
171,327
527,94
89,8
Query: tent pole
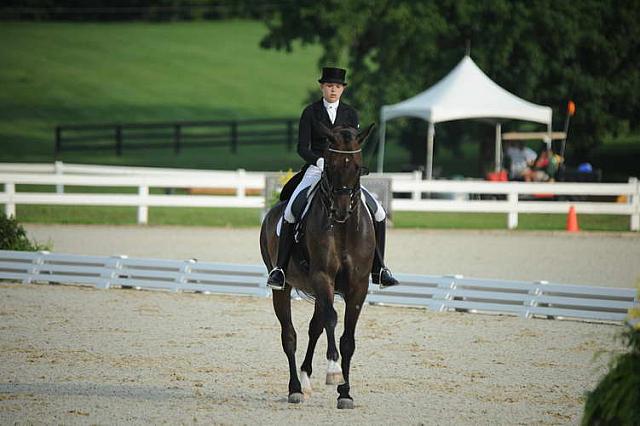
381,137
498,164
429,164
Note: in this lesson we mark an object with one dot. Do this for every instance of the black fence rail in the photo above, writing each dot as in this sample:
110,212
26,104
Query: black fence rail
175,135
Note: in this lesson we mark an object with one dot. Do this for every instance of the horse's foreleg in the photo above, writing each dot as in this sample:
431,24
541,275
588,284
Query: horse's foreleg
334,375
348,345
327,318
315,330
282,307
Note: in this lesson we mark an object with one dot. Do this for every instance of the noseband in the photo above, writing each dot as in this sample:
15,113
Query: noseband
329,192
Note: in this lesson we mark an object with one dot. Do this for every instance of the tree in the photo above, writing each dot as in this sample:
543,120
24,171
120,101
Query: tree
547,52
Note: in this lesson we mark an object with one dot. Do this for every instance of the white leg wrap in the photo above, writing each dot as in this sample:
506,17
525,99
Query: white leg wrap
305,382
333,367
334,373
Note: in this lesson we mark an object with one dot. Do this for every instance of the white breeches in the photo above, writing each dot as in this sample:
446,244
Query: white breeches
310,180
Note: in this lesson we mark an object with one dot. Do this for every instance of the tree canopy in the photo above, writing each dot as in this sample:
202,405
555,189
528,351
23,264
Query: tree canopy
544,51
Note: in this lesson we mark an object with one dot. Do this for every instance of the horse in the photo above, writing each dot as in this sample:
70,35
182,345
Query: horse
334,256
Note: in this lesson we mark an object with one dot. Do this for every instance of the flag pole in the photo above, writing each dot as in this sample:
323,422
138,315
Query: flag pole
571,110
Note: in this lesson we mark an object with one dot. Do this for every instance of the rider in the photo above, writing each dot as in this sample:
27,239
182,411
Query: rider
311,145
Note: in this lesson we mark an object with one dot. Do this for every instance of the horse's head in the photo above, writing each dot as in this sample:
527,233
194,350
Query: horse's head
342,170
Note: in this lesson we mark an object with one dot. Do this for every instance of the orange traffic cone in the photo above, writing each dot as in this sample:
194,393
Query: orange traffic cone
572,220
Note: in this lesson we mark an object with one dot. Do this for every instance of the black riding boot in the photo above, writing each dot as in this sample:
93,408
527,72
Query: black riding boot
379,273
276,277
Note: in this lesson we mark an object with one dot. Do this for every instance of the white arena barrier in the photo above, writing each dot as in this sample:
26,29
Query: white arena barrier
438,293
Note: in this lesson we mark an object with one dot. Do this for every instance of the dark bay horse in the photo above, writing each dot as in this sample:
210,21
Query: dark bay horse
334,255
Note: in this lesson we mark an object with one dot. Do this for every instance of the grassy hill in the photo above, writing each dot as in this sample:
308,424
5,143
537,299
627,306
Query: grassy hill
63,73
56,73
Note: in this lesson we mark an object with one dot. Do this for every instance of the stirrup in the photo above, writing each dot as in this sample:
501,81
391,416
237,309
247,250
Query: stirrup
274,286
382,286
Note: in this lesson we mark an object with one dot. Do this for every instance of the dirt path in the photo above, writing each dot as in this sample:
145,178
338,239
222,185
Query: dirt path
74,355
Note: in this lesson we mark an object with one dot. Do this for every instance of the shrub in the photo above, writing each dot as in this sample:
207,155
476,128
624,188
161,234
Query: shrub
14,237
616,398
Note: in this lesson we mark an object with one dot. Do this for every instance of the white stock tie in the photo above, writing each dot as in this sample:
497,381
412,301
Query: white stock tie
331,110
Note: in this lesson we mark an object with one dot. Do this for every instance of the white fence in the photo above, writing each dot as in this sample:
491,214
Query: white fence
438,293
512,198
514,203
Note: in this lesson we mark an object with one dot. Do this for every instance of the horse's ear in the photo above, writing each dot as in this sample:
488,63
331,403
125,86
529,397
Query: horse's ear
362,136
326,132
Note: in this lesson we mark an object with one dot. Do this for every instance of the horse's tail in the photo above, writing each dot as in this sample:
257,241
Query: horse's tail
264,248
310,297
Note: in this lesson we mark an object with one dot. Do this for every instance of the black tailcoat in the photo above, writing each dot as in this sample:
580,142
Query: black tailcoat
311,144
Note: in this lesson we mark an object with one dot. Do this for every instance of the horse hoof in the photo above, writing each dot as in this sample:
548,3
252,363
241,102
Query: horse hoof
345,404
335,379
296,398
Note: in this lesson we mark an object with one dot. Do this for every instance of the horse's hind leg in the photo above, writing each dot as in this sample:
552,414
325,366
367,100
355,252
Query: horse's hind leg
354,303
282,307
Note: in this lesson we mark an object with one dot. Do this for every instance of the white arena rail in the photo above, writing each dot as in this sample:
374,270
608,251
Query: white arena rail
514,192
142,200
461,194
438,293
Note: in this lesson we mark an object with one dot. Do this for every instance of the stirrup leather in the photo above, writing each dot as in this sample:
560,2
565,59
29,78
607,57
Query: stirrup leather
284,280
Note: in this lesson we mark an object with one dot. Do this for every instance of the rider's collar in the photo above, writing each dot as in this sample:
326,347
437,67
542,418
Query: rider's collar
328,105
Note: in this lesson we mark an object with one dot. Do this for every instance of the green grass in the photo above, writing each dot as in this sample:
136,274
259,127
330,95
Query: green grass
246,217
183,216
60,73
540,222
56,73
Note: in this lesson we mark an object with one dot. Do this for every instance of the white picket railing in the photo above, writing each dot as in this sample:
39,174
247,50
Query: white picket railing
459,196
438,293
513,192
240,181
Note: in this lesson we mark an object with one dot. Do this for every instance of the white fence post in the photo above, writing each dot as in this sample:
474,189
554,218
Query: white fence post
635,204
512,218
242,184
417,177
10,206
59,167
143,209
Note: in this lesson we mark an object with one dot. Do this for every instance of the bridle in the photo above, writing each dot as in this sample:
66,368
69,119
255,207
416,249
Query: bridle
329,193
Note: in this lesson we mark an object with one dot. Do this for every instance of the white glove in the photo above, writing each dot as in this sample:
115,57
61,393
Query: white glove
320,163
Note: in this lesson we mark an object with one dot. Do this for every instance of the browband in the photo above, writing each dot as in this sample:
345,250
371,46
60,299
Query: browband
345,152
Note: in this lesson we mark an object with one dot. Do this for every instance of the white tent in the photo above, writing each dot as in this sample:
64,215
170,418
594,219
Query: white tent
465,93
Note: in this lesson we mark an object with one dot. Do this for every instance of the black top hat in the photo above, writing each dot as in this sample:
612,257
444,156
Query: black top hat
333,75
